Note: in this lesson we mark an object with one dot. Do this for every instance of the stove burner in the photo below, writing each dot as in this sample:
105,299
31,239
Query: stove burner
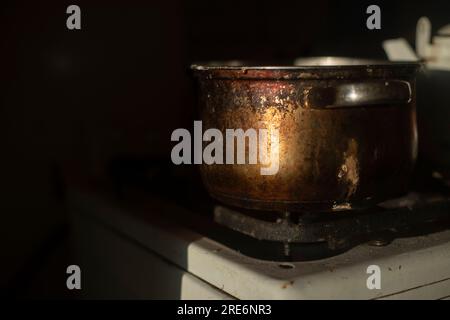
329,234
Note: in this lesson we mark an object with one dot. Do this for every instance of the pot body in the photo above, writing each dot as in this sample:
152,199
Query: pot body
347,134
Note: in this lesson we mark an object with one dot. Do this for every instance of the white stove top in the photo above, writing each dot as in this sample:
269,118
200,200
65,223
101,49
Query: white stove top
128,253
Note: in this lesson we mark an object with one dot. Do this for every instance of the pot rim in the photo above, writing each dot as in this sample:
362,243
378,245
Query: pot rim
319,62
308,68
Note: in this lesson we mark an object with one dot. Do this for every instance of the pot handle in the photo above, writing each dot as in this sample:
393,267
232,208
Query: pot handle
362,94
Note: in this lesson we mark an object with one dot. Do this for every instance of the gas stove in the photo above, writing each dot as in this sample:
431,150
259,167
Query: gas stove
204,249
308,236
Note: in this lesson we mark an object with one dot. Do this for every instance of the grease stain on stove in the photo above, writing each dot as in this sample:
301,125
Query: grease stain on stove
287,284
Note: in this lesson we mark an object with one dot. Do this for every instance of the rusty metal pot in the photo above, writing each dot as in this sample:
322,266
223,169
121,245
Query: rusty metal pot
347,131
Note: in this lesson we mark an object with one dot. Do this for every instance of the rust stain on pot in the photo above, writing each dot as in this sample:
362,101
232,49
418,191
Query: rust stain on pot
349,170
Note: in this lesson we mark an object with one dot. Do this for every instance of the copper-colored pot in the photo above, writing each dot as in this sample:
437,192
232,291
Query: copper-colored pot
347,131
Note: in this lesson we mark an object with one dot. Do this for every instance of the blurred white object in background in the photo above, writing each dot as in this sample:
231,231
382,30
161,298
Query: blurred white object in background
436,53
399,50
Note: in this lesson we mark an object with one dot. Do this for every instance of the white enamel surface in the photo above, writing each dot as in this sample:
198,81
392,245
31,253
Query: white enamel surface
416,267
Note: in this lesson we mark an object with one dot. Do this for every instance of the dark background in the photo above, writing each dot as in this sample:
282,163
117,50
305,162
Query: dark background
73,100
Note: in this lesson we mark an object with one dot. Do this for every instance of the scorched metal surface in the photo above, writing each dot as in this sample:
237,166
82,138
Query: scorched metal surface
347,132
